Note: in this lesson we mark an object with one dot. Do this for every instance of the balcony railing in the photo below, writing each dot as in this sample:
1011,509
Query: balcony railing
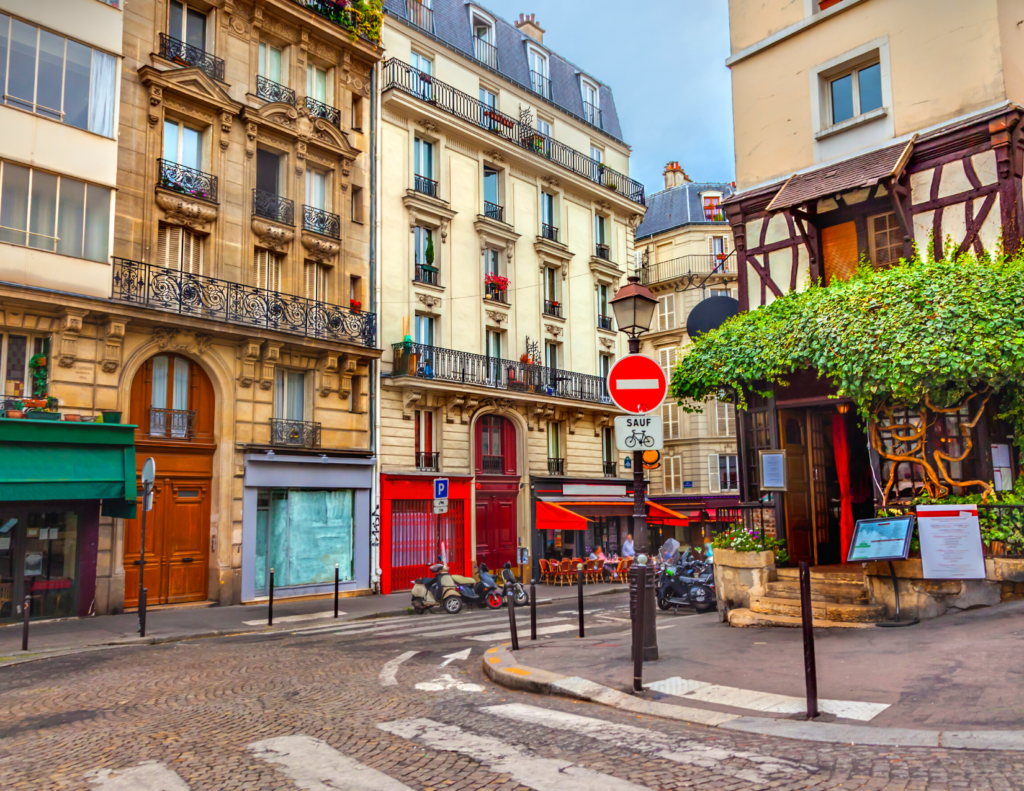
611,469
320,221
493,465
687,265
491,291
332,11
592,114
603,252
420,15
172,423
604,322
273,207
485,52
556,466
424,275
294,433
187,181
494,211
425,186
464,368
317,109
428,462
187,55
540,83
549,232
270,91
552,308
403,77
179,292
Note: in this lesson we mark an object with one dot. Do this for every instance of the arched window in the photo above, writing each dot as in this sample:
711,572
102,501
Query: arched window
172,398
495,446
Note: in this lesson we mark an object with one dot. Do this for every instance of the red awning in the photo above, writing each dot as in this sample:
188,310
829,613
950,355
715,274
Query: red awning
554,517
665,516
695,515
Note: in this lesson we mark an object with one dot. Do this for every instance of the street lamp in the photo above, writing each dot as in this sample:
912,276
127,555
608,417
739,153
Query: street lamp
634,307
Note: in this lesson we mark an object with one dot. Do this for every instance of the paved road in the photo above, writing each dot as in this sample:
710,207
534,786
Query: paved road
370,707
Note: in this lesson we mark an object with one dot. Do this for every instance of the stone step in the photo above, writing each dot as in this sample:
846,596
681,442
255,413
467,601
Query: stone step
826,611
745,617
821,590
831,576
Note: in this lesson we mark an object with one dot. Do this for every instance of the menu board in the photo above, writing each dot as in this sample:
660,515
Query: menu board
951,542
773,470
881,539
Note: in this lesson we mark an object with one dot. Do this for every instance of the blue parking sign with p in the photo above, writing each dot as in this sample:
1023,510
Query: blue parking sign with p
440,488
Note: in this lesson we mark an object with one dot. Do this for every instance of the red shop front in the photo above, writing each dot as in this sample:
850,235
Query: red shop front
411,536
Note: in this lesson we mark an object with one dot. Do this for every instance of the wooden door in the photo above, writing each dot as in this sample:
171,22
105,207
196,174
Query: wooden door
154,581
819,493
496,530
484,526
799,514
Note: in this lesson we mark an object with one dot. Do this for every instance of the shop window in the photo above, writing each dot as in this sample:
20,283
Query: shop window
44,547
885,240
302,534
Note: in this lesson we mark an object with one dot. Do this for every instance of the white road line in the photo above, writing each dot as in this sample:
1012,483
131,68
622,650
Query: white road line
763,701
147,776
457,656
387,673
457,628
540,774
523,631
313,616
425,621
316,766
764,769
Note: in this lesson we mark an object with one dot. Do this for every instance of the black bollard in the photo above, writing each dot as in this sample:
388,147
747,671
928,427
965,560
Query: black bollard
638,630
579,595
510,597
336,577
24,626
270,607
807,617
142,611
533,609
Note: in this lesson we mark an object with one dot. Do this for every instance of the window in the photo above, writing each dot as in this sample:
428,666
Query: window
423,68
355,288
56,77
591,103
550,286
290,395
668,358
718,247
667,314
266,270
712,208
604,311
855,93
492,207
425,330
540,80
421,240
268,171
544,129
608,445
885,239
492,262
315,281
424,439
423,152
357,113
554,440
187,24
494,344
170,391
725,419
670,419
604,367
673,475
357,205
728,473
317,84
547,212
179,249
15,353
76,224
317,190
603,251
551,354
271,63
183,145
483,41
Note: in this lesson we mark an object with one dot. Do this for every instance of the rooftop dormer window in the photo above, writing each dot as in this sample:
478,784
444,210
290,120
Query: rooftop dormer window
591,103
540,74
484,40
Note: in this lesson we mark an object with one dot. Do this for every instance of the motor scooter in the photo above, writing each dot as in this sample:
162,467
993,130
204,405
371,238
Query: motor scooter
689,583
484,594
443,589
518,590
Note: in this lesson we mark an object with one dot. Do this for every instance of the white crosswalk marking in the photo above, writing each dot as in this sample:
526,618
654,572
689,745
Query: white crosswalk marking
764,769
540,774
455,626
387,673
316,766
147,776
313,616
523,630
763,701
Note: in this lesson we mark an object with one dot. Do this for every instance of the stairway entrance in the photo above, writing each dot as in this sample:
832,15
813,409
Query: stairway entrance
839,597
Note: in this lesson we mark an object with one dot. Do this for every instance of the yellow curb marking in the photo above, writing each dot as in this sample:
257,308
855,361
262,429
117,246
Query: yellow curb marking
518,671
492,650
494,660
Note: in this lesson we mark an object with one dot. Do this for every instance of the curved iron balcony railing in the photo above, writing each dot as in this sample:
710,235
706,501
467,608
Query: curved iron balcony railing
448,365
172,423
320,221
179,292
318,109
294,433
187,181
186,54
688,266
403,77
273,207
270,91
556,466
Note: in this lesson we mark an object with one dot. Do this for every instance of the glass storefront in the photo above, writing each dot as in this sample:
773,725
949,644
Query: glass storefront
38,559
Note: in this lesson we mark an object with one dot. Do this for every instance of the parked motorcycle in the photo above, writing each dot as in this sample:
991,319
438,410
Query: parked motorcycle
518,590
686,581
485,593
442,589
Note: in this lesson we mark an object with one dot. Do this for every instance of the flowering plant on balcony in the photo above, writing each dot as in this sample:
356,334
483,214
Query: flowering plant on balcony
360,17
355,304
497,282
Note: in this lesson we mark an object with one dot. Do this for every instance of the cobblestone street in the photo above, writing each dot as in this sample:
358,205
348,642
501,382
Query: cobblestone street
314,711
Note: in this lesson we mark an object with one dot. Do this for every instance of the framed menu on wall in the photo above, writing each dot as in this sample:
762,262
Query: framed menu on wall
773,470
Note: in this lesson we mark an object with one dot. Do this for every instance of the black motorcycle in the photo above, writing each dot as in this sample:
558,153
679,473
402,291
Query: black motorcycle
688,582
515,587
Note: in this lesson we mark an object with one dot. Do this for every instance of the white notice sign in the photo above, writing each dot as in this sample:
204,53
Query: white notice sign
639,432
950,542
773,470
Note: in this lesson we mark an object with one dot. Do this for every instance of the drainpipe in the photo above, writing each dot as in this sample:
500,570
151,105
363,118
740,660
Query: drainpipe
374,389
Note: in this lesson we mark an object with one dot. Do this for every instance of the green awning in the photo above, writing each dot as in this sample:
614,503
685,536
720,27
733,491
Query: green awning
58,460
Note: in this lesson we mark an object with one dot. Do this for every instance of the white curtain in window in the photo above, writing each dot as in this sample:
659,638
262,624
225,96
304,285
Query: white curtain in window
97,223
159,400
180,393
296,395
102,89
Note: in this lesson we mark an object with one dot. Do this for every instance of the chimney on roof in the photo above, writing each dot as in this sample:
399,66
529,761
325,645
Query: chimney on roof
675,176
528,24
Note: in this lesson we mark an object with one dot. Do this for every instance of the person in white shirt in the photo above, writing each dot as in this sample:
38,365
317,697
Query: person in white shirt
627,547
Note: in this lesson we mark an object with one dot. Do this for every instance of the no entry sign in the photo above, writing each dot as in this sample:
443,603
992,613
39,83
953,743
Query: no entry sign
637,384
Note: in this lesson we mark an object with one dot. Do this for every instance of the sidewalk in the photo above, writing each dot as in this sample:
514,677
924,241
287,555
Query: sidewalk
60,637
959,673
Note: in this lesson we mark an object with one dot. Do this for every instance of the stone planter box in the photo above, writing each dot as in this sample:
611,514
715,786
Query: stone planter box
740,575
926,598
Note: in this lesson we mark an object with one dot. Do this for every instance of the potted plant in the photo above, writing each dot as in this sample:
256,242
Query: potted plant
110,417
15,409
495,284
355,305
429,255
612,185
73,418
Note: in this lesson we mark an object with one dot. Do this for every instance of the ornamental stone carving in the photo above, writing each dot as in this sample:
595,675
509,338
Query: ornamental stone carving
173,339
319,250
181,211
112,342
70,328
497,316
608,343
156,96
430,301
249,355
554,329
635,220
271,236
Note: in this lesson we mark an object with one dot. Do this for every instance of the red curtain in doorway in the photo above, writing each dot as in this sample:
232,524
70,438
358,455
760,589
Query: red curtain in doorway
842,449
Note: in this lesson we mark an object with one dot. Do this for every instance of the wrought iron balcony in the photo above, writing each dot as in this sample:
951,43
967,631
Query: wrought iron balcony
494,211
611,469
549,232
172,423
689,267
187,55
424,275
540,83
273,207
604,252
420,15
593,115
179,292
604,322
485,52
425,186
491,291
320,221
556,466
493,465
552,308
428,462
403,77
331,115
270,91
448,365
294,433
331,10
187,181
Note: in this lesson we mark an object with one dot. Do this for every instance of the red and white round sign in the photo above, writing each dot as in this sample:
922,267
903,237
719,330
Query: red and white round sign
637,384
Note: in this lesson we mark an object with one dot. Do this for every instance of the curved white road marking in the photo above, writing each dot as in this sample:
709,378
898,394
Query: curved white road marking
387,673
316,766
448,682
147,776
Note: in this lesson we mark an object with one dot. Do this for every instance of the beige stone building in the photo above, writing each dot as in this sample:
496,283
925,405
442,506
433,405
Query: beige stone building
223,311
507,222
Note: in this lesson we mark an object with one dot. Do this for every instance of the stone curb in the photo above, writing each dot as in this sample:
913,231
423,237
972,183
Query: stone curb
501,666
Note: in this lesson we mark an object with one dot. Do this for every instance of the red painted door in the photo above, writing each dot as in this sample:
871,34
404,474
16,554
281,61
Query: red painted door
495,530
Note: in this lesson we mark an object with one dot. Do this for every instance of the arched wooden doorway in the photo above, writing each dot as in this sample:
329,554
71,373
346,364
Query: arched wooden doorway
497,478
172,404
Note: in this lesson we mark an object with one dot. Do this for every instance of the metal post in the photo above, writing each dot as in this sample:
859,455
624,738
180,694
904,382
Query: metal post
146,487
24,625
533,609
762,521
270,607
143,600
579,592
336,576
638,631
510,597
807,616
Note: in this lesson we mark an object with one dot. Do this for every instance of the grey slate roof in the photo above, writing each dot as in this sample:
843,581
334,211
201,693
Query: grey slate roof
678,206
452,26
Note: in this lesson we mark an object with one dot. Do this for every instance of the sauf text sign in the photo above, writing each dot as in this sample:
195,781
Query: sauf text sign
639,432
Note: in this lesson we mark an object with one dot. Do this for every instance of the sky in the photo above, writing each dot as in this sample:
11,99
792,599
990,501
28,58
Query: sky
665,63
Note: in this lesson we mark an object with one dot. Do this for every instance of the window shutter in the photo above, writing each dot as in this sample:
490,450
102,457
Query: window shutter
667,312
191,252
169,246
310,279
259,267
273,272
670,415
714,482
